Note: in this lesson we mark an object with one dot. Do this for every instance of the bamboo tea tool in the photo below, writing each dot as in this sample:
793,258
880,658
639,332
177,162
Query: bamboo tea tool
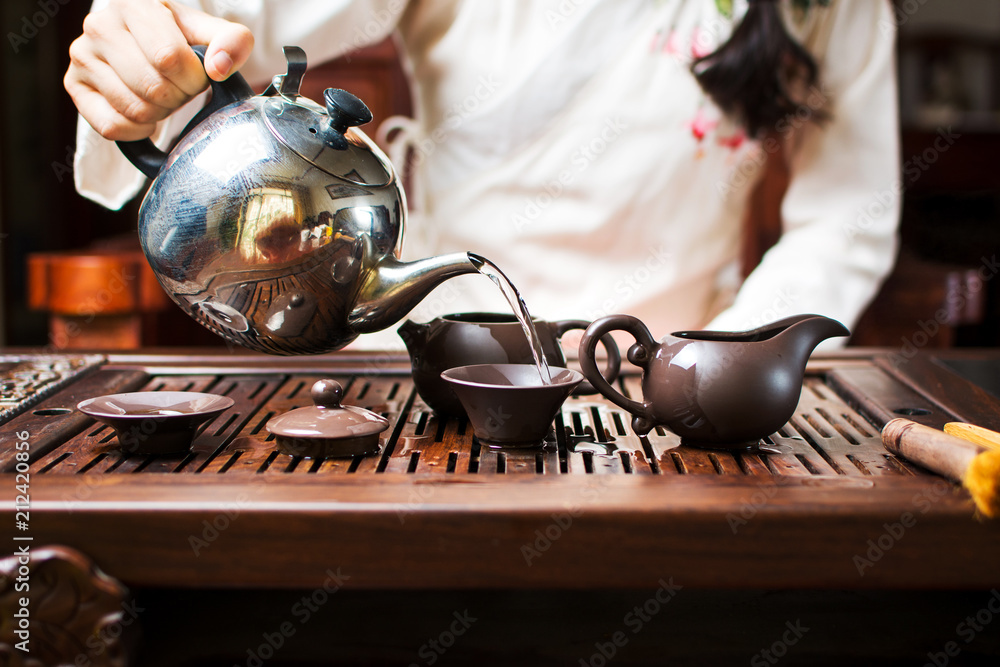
977,434
976,468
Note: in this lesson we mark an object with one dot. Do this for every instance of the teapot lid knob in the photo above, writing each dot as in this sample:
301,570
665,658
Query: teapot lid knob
345,109
327,393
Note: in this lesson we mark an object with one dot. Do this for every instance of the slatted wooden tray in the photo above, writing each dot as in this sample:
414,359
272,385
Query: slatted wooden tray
591,436
462,515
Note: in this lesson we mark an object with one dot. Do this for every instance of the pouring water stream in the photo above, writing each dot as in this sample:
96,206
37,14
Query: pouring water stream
493,272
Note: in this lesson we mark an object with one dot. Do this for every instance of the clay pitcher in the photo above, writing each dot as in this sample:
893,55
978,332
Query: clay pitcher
713,388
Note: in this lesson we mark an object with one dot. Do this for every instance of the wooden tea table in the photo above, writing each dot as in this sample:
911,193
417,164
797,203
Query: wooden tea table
601,547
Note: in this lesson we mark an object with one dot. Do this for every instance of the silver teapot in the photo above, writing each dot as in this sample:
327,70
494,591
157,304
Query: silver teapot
277,224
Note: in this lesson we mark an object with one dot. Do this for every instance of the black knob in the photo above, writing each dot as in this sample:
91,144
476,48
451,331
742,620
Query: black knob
345,110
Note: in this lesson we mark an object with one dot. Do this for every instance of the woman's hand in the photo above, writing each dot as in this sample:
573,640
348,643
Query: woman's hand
133,64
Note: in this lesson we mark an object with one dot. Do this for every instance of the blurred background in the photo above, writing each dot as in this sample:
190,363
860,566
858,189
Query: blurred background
72,277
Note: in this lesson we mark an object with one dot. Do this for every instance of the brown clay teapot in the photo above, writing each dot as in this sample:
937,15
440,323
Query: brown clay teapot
713,388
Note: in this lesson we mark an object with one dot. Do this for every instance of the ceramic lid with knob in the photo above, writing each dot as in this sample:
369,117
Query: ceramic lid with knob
327,428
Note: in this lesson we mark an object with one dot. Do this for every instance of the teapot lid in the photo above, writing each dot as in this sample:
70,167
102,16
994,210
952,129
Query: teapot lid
327,418
324,137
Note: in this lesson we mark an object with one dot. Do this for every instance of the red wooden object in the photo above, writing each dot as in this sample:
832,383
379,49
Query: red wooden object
95,299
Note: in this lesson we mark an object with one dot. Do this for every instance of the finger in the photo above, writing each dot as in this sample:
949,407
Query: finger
119,51
229,44
120,109
163,45
105,119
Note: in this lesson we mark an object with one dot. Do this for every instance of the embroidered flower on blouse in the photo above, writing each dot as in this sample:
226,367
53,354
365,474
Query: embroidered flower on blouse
701,43
702,124
733,141
671,45
801,7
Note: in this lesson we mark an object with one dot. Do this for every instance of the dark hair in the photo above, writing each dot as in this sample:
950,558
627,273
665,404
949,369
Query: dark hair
749,76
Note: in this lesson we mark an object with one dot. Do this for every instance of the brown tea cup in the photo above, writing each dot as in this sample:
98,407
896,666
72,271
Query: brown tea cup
155,422
508,404
465,339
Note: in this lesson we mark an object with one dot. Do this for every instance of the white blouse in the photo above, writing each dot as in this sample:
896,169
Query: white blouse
568,142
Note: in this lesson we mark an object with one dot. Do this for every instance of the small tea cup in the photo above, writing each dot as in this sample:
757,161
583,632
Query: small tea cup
466,339
507,404
155,422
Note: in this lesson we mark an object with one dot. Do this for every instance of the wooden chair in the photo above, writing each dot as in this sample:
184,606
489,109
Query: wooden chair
922,303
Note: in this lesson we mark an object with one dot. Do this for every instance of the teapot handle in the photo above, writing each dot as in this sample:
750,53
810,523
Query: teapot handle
638,354
148,159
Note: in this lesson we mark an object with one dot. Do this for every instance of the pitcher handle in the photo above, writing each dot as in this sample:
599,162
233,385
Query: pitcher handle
614,363
639,354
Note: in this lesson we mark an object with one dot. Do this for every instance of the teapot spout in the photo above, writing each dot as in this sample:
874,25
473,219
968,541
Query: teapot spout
393,288
414,335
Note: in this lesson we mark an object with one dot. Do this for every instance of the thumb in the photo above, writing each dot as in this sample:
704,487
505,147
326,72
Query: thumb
229,44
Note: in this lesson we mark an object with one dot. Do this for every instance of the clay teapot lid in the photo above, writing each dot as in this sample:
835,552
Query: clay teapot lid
327,428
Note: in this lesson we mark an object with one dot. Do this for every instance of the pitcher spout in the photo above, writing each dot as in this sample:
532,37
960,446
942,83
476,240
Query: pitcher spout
820,326
805,332
393,288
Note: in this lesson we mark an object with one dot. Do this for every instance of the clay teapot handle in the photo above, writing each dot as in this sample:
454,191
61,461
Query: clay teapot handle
144,154
610,346
638,354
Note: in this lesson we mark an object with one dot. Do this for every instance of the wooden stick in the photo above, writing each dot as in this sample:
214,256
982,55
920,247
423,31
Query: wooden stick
937,451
